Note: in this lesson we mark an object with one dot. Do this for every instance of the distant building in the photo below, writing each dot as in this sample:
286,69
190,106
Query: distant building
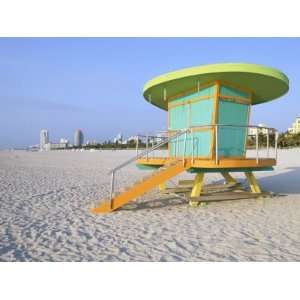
63,141
33,147
133,139
91,143
118,139
295,127
78,138
62,144
56,146
44,139
161,136
262,130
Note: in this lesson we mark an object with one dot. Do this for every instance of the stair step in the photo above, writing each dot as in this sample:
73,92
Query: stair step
172,163
126,188
143,179
137,189
155,172
104,207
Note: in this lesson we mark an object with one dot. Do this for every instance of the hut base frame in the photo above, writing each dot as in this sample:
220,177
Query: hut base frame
198,194
166,168
194,191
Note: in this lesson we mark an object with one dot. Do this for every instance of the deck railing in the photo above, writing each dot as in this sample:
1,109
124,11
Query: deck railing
141,155
176,134
258,133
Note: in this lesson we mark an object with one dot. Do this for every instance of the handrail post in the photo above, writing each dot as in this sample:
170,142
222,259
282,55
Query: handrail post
177,145
276,144
184,147
137,146
216,144
173,145
256,135
112,184
152,147
113,172
193,145
268,143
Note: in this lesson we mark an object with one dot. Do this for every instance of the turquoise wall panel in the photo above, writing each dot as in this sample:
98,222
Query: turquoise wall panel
201,139
192,114
178,117
232,113
202,112
231,140
227,91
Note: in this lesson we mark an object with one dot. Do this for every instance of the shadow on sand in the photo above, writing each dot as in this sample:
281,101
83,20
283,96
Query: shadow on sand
287,182
155,204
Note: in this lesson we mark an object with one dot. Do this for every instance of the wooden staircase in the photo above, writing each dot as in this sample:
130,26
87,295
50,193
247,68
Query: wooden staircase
166,172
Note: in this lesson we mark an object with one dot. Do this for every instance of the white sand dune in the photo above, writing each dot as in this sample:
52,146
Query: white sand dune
44,214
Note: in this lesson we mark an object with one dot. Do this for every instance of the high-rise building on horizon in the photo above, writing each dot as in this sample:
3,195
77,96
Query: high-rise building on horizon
78,138
44,139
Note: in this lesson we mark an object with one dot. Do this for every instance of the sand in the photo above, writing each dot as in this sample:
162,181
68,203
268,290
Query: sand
44,214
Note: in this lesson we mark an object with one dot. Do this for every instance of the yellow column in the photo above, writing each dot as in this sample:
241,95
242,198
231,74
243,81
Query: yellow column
252,183
162,186
228,178
197,185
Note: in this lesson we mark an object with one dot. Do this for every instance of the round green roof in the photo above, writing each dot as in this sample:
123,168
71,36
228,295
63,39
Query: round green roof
265,83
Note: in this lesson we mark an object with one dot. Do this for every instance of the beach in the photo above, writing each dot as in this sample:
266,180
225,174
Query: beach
45,201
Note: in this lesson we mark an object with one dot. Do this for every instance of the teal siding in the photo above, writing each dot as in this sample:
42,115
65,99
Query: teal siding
178,117
227,91
231,140
201,112
202,140
194,114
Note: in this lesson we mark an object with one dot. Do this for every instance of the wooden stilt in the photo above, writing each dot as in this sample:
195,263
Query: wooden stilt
197,185
252,183
196,191
228,178
162,186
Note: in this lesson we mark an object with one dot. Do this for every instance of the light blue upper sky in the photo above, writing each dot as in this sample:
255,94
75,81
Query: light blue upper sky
96,83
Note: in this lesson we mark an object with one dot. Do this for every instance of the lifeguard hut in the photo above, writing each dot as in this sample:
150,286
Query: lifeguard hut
208,109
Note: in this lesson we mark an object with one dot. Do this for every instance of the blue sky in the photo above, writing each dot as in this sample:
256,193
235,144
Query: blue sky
96,83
